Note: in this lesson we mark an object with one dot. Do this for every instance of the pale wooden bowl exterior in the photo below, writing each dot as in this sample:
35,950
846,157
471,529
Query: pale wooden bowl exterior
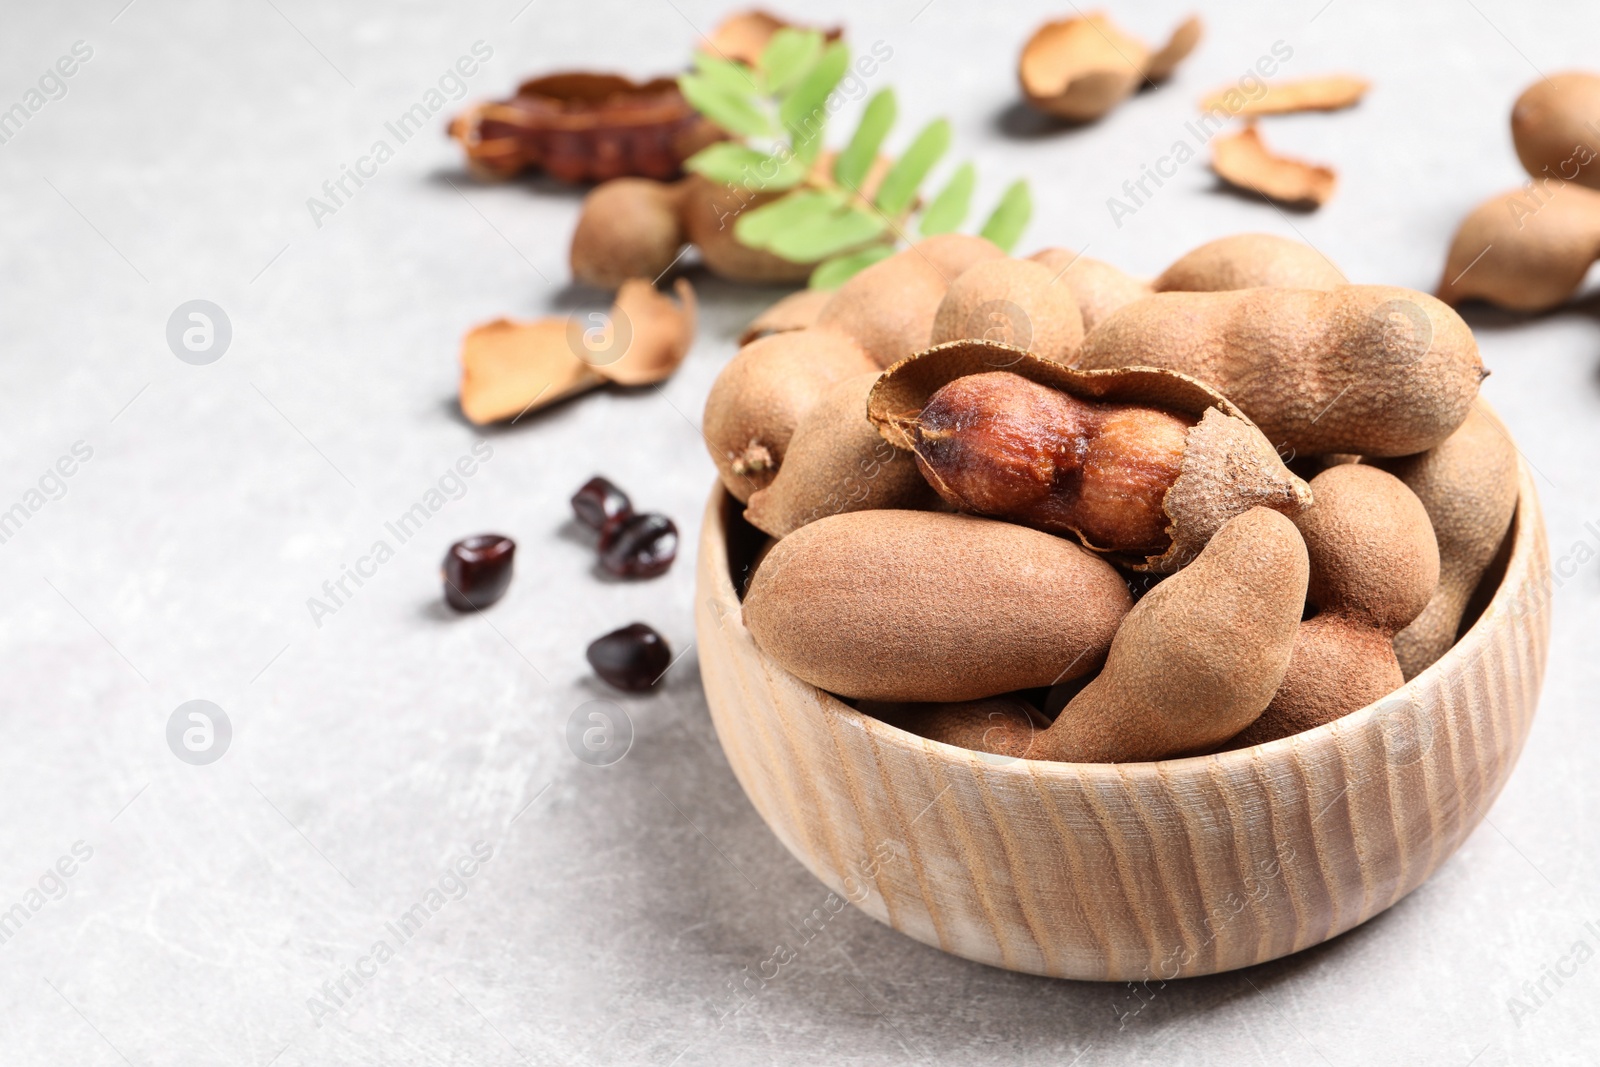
1137,871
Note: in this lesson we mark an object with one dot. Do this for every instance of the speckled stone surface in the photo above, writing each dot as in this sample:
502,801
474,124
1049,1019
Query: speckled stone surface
384,748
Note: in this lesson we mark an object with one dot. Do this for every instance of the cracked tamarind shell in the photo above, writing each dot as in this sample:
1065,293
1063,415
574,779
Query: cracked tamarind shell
1224,465
838,462
760,397
1372,370
930,606
889,307
1013,301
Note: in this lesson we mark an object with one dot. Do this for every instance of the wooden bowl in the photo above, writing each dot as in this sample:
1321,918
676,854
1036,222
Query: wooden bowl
1133,871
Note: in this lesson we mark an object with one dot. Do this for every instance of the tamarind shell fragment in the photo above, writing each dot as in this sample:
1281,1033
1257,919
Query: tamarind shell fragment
1226,466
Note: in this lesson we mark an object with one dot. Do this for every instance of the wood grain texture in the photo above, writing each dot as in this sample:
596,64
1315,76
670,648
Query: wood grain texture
1136,871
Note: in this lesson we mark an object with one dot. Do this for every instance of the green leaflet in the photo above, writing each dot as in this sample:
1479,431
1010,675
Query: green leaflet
804,111
759,227
899,186
734,164
840,269
836,232
734,113
949,209
1010,216
854,163
735,79
789,56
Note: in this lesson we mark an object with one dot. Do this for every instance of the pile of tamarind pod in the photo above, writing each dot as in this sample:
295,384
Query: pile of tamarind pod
964,490
1529,248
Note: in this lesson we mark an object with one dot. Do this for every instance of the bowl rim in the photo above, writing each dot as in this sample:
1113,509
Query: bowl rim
1525,528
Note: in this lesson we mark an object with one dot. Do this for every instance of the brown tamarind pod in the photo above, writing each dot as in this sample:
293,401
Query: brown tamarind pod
1374,567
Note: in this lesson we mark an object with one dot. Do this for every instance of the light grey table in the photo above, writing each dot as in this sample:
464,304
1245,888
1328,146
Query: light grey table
210,910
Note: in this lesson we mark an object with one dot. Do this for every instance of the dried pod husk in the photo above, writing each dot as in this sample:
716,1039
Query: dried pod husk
1160,66
1374,567
627,228
743,35
889,307
1523,251
1374,370
710,210
1213,461
1248,261
510,367
1330,92
1553,125
585,127
1468,484
1243,159
760,397
929,606
794,312
838,462
660,333
953,254
1015,302
1080,68
1098,287
1198,658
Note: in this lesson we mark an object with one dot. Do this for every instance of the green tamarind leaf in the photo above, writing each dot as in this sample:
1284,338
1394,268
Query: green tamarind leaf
949,209
804,111
1010,217
834,272
758,227
899,186
855,162
789,56
736,114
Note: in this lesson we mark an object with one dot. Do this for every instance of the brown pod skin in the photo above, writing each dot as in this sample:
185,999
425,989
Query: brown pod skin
998,444
710,210
1370,369
1468,485
837,462
1080,68
794,312
889,307
1524,250
1198,657
1098,287
1248,261
627,228
760,396
1374,566
1553,126
953,254
1003,726
1014,302
928,606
